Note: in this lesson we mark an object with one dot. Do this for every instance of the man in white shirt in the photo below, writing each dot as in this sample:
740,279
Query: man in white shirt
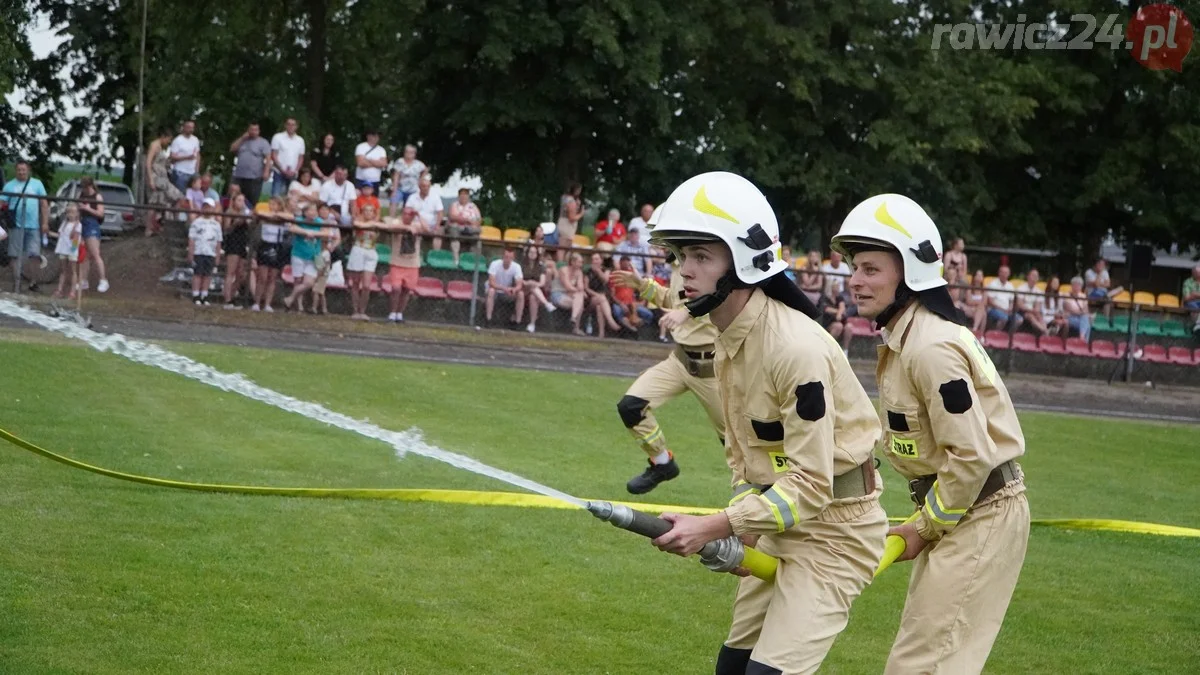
639,223
185,155
639,254
1000,301
339,194
428,205
370,159
287,156
1031,303
836,270
505,282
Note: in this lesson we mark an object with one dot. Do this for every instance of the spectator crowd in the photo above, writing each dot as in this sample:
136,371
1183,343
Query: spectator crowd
317,218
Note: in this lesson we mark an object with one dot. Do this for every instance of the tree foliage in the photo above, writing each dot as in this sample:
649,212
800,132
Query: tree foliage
822,103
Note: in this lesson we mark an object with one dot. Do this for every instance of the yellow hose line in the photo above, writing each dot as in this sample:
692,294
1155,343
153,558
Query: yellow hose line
480,498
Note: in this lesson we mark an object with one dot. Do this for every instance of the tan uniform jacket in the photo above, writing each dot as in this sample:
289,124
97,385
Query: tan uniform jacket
796,416
945,412
694,331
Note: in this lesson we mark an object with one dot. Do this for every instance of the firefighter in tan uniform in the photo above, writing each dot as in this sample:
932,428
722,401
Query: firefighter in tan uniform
688,368
800,432
951,430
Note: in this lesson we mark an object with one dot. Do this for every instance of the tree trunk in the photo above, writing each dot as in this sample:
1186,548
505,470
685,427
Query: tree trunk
315,65
569,163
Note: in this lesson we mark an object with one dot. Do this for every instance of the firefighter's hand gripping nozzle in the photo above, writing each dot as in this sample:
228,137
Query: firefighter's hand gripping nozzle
723,555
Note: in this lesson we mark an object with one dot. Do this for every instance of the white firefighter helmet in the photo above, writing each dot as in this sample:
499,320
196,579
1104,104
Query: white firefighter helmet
650,224
897,222
721,206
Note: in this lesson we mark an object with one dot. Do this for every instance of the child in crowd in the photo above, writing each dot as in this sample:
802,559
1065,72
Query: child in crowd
68,250
307,240
204,249
195,196
324,261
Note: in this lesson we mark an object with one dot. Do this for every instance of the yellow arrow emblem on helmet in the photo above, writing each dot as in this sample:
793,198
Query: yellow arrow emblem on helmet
703,205
882,215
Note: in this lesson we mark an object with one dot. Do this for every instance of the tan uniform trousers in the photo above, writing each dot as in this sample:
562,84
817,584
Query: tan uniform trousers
662,382
960,589
825,563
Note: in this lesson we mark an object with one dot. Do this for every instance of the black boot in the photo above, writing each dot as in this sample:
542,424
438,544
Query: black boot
652,476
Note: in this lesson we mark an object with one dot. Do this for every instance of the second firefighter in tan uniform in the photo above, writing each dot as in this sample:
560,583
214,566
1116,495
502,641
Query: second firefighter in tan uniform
952,432
688,368
800,433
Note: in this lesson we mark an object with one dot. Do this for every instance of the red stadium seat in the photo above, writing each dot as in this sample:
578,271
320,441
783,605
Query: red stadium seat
1196,356
375,285
428,287
1051,344
1024,342
860,326
460,290
996,339
1155,354
1181,355
286,275
1102,349
1079,347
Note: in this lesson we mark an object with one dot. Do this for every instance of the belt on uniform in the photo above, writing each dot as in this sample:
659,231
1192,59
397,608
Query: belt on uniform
857,482
998,478
698,363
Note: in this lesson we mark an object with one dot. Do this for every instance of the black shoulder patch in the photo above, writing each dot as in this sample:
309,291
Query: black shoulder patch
897,421
810,401
768,431
956,396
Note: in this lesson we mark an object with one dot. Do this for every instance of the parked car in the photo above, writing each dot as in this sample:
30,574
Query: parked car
119,214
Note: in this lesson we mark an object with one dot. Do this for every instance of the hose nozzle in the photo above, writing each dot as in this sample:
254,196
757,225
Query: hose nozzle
723,555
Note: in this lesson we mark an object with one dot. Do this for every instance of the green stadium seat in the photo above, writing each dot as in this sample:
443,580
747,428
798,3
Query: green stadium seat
440,260
385,254
1174,329
1120,323
1102,324
468,260
1149,327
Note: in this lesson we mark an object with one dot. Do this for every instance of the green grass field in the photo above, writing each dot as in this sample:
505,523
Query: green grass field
102,576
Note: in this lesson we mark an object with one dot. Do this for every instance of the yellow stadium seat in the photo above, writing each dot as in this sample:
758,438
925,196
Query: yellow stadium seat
1143,298
261,207
581,241
516,234
1168,300
1040,286
824,262
800,263
1064,290
987,281
492,233
1122,298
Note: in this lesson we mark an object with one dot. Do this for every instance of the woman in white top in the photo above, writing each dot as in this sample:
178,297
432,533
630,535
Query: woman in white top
303,191
1052,308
